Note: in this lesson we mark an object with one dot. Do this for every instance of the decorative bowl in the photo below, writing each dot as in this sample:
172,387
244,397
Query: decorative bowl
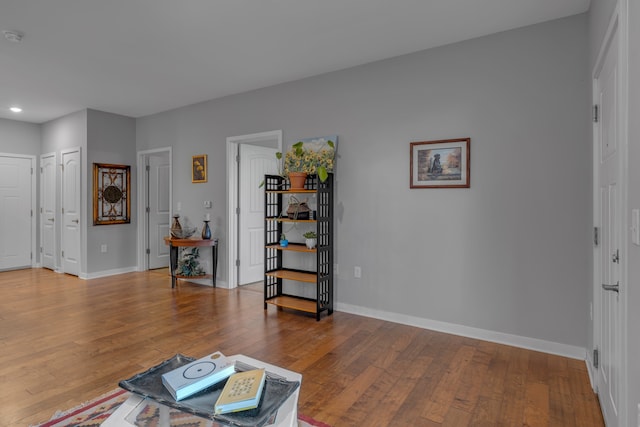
183,233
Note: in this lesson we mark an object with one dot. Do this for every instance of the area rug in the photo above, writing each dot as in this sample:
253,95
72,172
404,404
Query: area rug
94,412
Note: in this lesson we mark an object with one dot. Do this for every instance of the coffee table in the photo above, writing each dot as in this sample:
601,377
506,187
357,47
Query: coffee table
287,414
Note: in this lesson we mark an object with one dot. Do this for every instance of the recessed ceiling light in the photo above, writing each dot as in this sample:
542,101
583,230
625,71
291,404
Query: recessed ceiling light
16,109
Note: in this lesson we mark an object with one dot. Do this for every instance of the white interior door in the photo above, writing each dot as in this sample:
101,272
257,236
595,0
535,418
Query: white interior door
609,372
48,199
255,162
158,207
15,212
71,211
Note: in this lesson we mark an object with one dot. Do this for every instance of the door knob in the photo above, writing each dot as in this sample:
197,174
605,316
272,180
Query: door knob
75,220
51,219
613,288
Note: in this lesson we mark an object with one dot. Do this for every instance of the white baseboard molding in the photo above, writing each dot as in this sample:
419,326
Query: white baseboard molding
550,347
591,371
105,273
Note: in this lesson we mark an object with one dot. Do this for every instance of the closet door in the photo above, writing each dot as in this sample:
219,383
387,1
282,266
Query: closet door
15,212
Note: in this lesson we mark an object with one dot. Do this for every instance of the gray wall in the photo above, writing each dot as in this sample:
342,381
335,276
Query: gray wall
110,139
103,138
69,131
511,254
19,137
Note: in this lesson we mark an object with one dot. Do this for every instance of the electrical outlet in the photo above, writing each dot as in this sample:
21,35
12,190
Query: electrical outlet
103,249
207,204
179,206
357,272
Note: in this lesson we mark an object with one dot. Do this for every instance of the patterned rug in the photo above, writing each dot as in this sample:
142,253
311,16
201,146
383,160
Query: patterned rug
94,412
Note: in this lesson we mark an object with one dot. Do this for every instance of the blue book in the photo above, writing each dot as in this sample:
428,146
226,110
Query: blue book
198,375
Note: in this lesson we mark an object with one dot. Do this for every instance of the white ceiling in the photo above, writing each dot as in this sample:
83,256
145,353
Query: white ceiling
139,57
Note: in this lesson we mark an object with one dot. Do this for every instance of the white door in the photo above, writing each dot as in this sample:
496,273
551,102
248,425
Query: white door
158,206
71,211
48,210
609,375
15,212
255,162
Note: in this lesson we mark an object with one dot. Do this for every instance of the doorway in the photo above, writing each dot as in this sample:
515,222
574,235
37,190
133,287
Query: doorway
610,203
71,211
247,166
17,211
154,204
48,206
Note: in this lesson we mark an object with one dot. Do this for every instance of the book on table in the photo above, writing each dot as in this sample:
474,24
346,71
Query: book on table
241,392
198,375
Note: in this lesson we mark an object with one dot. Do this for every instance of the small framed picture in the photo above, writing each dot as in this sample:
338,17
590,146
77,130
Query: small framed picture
199,168
440,164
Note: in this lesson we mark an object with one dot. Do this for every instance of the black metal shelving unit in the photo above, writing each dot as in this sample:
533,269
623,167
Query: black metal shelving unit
277,192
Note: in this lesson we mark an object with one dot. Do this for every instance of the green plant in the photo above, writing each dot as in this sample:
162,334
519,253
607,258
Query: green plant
283,237
299,159
310,235
188,264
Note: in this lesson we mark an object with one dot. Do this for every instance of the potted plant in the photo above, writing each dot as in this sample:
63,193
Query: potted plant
310,239
299,162
283,241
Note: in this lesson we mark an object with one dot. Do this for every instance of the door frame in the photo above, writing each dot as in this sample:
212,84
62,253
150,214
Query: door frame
35,217
82,215
233,144
617,23
143,264
53,154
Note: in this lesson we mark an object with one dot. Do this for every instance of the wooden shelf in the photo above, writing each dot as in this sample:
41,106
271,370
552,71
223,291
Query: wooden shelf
204,276
291,220
291,191
293,275
294,303
295,247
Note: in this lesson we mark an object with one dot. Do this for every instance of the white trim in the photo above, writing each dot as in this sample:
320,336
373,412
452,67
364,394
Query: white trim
617,23
142,264
114,272
233,143
535,344
55,208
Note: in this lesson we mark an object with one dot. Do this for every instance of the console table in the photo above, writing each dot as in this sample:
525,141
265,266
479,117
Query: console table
175,243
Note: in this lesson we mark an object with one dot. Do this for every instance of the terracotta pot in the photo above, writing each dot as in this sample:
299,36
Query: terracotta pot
297,180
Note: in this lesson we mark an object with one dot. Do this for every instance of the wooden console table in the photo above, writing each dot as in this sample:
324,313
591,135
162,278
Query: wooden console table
175,243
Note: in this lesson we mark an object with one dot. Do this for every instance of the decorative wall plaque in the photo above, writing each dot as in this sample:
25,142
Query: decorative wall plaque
111,198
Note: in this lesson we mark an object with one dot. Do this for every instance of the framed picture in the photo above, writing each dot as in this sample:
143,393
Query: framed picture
199,168
440,164
111,196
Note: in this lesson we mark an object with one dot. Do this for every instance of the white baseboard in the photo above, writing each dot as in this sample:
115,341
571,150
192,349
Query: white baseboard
550,347
106,273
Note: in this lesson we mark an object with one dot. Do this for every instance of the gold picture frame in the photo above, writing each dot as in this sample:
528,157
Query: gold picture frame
199,168
111,194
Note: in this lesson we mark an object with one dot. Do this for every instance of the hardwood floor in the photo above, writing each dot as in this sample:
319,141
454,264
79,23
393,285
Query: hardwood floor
65,341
